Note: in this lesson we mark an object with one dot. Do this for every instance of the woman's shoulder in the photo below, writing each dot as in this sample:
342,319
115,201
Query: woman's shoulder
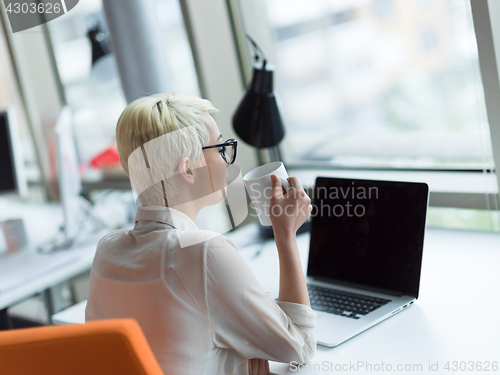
111,237
222,252
205,238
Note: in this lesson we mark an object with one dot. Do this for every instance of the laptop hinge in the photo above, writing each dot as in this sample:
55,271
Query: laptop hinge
359,286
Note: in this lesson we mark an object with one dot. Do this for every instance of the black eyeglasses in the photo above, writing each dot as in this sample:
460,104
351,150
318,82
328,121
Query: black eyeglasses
227,150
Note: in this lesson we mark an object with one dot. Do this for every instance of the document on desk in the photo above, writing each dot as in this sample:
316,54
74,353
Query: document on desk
23,266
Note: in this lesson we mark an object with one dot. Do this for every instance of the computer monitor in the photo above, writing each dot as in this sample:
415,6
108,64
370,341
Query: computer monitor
68,173
76,209
12,180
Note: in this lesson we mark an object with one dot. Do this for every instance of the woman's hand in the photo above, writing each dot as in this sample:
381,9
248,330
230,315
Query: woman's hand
288,211
258,366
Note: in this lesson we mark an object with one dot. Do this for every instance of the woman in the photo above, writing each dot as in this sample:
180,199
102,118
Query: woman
200,306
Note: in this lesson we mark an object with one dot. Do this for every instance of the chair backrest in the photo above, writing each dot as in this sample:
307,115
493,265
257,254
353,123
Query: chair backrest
103,347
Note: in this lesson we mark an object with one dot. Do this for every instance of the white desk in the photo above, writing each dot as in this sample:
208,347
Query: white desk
456,317
41,223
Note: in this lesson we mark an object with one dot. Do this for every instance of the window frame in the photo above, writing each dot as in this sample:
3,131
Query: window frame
487,29
210,31
39,90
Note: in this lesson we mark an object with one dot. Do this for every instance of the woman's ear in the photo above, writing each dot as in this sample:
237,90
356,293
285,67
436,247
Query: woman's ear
186,170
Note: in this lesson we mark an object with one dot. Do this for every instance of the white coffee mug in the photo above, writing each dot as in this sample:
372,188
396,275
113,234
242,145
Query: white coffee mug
259,187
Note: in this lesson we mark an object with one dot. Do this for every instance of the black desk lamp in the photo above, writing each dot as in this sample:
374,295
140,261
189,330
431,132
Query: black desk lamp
257,120
99,43
103,61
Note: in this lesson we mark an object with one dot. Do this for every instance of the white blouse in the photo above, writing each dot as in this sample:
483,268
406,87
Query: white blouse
200,307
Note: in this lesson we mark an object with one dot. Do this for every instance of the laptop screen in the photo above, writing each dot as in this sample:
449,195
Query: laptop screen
368,233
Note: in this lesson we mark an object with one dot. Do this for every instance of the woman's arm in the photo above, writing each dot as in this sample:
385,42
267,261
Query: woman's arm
243,317
288,212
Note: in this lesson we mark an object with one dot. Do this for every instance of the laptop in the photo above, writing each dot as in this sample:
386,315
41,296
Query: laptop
365,253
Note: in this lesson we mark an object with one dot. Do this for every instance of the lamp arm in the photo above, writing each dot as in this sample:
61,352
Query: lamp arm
257,51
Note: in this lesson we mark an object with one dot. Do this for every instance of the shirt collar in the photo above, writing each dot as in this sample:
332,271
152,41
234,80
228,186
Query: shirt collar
166,215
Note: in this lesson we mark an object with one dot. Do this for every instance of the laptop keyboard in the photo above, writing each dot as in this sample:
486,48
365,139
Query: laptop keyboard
342,303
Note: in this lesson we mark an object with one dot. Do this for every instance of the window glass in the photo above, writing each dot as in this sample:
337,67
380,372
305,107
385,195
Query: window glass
380,83
94,92
463,219
10,97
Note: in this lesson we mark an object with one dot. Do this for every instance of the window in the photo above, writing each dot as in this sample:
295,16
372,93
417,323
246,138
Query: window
383,8
394,89
97,99
10,97
428,39
380,83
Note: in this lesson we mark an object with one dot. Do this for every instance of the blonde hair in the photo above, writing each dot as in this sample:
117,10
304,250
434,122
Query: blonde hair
183,117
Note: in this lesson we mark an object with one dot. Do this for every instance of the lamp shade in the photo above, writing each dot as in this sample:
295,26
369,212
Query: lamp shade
257,121
98,42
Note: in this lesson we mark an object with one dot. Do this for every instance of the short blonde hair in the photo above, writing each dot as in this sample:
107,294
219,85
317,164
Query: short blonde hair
156,115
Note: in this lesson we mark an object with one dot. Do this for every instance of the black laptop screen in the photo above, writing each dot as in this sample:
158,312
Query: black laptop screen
368,233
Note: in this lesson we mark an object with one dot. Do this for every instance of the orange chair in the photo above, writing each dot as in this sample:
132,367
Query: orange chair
104,347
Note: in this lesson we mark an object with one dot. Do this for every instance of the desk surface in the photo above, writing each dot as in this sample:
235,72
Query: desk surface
455,318
33,272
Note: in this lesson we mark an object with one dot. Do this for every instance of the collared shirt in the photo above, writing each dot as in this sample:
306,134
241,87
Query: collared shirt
200,307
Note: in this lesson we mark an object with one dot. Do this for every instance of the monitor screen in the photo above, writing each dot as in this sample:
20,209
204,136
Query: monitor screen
68,174
368,233
8,181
